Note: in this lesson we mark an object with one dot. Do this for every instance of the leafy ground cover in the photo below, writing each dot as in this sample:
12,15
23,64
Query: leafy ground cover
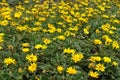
77,40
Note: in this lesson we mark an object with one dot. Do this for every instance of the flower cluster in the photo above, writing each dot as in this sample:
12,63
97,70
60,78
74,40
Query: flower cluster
63,40
99,65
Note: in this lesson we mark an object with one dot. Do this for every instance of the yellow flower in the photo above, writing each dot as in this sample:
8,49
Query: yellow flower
67,33
36,29
107,59
31,58
95,58
115,45
113,28
4,23
61,37
106,27
97,41
1,39
116,21
22,28
93,74
91,65
42,19
4,1
25,45
115,63
59,30
60,23
85,31
71,70
44,47
26,1
77,57
37,23
9,61
51,29
38,46
32,67
25,49
17,14
111,32
37,78
50,26
20,70
2,34
44,30
108,41
105,16
68,50
101,8
105,36
34,11
26,18
46,41
60,69
100,67
97,31
73,28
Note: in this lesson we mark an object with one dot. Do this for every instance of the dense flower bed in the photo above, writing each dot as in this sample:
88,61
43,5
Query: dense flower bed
77,40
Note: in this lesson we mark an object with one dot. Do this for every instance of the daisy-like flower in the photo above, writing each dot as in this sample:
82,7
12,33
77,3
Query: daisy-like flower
100,67
107,59
60,69
31,58
97,41
32,67
71,70
9,61
93,74
77,57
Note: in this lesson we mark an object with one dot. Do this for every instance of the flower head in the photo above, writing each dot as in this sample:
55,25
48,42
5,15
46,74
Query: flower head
9,61
46,41
38,46
32,67
97,41
61,37
68,50
115,45
93,74
91,65
71,70
60,69
107,59
85,31
25,49
97,31
17,14
31,58
77,57
95,58
25,45
100,67
4,23
114,63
